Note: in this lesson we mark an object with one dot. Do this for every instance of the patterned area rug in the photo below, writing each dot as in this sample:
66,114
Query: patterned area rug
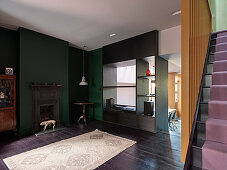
84,152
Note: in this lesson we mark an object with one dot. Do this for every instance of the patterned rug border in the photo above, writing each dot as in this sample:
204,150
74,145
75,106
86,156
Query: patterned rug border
95,164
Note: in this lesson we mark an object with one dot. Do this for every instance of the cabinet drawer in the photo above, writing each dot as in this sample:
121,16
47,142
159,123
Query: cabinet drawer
7,120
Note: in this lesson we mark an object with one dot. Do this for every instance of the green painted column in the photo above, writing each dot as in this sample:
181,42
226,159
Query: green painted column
95,80
221,14
213,13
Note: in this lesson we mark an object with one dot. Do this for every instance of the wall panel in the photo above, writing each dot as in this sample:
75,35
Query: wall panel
196,28
161,113
171,90
95,82
42,59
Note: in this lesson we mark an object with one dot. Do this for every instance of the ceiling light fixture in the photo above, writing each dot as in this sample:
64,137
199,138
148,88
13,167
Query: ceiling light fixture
176,13
111,35
83,82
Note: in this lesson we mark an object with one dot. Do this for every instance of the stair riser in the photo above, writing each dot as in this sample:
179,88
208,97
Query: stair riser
208,80
220,66
197,157
213,36
221,40
209,68
221,47
219,79
216,132
201,131
218,93
203,112
220,56
217,111
206,95
212,160
222,34
211,58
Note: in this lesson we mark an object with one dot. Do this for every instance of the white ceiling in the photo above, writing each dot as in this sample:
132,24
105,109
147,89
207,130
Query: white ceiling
90,22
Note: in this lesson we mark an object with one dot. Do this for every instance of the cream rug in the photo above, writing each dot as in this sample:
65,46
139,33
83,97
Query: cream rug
84,152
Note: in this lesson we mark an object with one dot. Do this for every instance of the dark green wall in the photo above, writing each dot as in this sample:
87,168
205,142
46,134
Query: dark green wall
42,59
161,100
8,49
77,93
95,82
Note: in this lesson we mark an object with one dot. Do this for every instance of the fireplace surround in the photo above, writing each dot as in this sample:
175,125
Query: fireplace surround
46,104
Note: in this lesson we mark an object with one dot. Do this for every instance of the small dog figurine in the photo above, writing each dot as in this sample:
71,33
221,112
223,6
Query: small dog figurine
48,123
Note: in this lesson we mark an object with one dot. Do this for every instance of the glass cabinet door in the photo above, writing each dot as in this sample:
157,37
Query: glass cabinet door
6,93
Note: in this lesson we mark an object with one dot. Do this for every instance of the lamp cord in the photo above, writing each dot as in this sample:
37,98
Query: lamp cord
83,63
83,59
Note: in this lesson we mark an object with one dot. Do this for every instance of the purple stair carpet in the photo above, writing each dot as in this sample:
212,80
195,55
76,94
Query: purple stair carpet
220,56
214,151
222,39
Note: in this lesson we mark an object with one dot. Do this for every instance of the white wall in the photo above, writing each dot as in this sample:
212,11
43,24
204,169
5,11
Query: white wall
126,96
170,41
126,76
109,79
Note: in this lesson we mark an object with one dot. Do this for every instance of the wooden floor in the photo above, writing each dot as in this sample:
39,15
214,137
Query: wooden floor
152,151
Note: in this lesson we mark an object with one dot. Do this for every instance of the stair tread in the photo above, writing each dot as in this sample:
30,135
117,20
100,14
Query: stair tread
219,32
219,122
218,44
224,36
203,102
217,52
221,85
206,87
220,61
198,144
217,101
216,146
214,155
201,121
220,72
195,168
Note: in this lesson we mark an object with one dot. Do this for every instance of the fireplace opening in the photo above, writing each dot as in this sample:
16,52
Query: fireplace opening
46,112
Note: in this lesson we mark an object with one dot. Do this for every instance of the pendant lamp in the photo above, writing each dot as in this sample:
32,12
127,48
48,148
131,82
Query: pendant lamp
83,82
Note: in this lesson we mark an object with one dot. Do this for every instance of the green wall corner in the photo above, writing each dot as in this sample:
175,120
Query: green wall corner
219,12
95,83
8,49
77,93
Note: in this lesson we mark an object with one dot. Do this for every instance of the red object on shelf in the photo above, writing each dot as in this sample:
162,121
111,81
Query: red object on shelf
148,73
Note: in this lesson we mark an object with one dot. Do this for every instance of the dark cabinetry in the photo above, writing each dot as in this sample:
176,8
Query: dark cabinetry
7,102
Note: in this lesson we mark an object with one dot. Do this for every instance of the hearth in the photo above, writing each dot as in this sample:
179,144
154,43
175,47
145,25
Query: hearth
46,104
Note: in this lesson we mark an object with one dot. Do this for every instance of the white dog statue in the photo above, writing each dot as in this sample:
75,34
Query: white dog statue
48,123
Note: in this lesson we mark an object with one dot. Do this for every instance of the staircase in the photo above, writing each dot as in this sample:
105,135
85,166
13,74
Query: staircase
208,142
214,150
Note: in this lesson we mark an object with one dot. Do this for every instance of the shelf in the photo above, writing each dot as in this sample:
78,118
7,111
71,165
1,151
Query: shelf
146,77
153,95
118,86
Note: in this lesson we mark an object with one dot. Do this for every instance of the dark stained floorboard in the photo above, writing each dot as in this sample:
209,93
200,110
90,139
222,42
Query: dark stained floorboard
152,151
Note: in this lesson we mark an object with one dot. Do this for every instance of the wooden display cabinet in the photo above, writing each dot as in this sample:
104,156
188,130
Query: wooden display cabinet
7,102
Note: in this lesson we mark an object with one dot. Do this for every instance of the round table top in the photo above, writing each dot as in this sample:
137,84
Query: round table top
85,103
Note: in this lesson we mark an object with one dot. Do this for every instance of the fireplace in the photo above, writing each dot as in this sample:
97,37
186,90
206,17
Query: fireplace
47,112
46,104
